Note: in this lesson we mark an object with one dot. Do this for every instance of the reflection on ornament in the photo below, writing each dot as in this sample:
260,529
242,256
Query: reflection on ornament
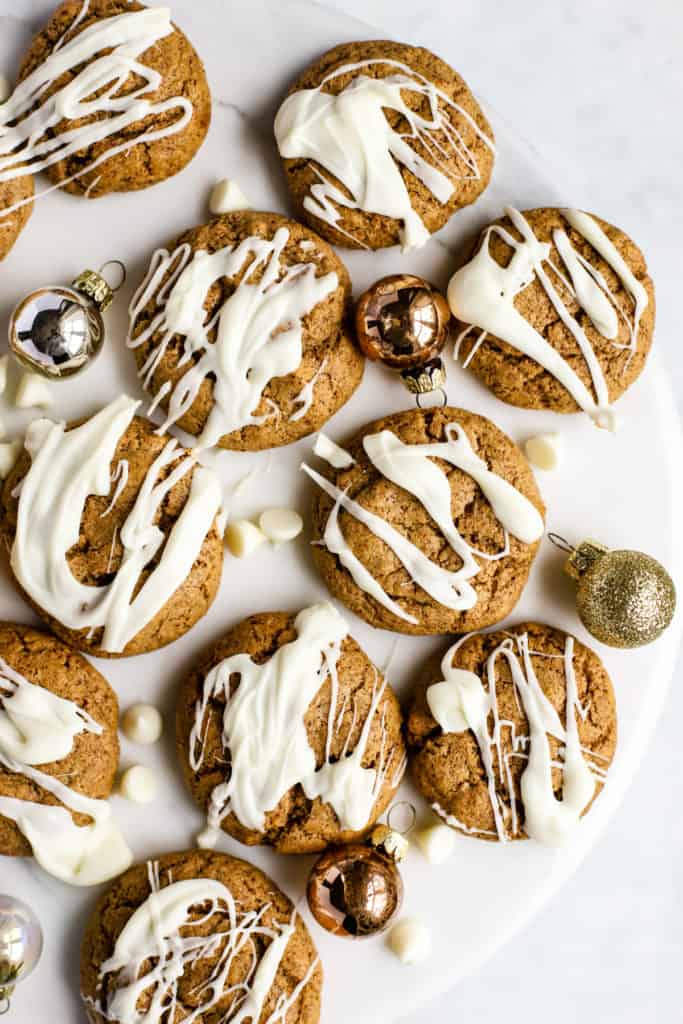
354,890
21,943
402,320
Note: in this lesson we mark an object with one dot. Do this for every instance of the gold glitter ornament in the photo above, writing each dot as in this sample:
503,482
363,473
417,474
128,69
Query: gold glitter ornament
624,598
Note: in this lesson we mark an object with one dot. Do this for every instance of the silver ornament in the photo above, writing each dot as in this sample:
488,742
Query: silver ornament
21,943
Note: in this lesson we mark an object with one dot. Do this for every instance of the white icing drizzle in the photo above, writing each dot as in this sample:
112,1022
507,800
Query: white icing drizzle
546,819
98,61
67,467
38,727
332,453
482,294
350,136
120,478
411,467
265,733
258,329
162,940
305,396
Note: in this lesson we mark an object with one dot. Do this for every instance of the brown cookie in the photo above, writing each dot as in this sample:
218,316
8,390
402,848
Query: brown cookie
498,583
448,766
297,824
12,224
469,168
261,912
330,364
96,558
182,75
518,379
91,766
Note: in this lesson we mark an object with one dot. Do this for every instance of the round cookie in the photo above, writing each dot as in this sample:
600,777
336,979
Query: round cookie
447,760
457,146
96,558
18,190
282,407
555,373
362,570
223,895
182,76
367,725
91,765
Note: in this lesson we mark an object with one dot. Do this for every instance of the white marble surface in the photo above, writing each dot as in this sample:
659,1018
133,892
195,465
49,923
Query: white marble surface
597,87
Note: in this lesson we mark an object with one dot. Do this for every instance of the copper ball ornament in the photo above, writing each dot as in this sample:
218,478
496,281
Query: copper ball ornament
355,891
402,320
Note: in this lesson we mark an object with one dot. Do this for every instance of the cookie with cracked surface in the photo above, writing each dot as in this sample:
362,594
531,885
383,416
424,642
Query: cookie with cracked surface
181,76
91,765
276,361
352,714
567,326
399,191
379,548
95,559
449,757
241,914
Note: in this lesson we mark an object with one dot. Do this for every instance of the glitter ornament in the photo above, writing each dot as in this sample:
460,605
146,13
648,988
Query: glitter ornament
58,330
21,943
624,598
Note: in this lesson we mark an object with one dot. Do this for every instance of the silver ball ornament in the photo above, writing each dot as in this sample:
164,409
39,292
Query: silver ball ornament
21,943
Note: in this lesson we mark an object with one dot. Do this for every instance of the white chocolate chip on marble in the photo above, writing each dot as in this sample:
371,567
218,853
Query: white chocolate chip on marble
411,941
5,88
243,538
138,784
543,451
33,391
142,723
4,363
436,842
226,197
9,453
281,524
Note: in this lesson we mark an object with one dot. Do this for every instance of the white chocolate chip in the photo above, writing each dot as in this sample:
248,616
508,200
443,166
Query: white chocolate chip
326,449
281,524
33,391
142,723
411,941
543,451
4,363
436,842
139,784
207,838
5,88
243,538
226,197
9,453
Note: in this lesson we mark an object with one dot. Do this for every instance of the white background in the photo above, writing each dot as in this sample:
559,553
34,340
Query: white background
597,86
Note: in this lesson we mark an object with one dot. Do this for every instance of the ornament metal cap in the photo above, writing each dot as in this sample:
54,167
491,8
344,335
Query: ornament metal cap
96,287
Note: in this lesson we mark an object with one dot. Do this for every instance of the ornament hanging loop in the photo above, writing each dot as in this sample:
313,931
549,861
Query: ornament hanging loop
442,395
4,1000
403,807
561,543
123,273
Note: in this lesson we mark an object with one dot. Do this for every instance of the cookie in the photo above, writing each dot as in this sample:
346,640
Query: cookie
431,526
231,944
246,347
35,667
145,126
556,311
382,143
492,748
111,533
16,206
288,735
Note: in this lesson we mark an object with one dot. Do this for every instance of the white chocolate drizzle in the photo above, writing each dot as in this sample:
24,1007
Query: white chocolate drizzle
38,727
164,938
254,336
97,63
66,468
332,453
264,731
482,294
412,468
547,819
350,136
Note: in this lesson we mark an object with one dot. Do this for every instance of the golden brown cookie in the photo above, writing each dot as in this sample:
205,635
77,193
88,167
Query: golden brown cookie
297,824
91,766
12,224
429,81
96,558
450,766
291,406
406,607
621,348
251,915
182,75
